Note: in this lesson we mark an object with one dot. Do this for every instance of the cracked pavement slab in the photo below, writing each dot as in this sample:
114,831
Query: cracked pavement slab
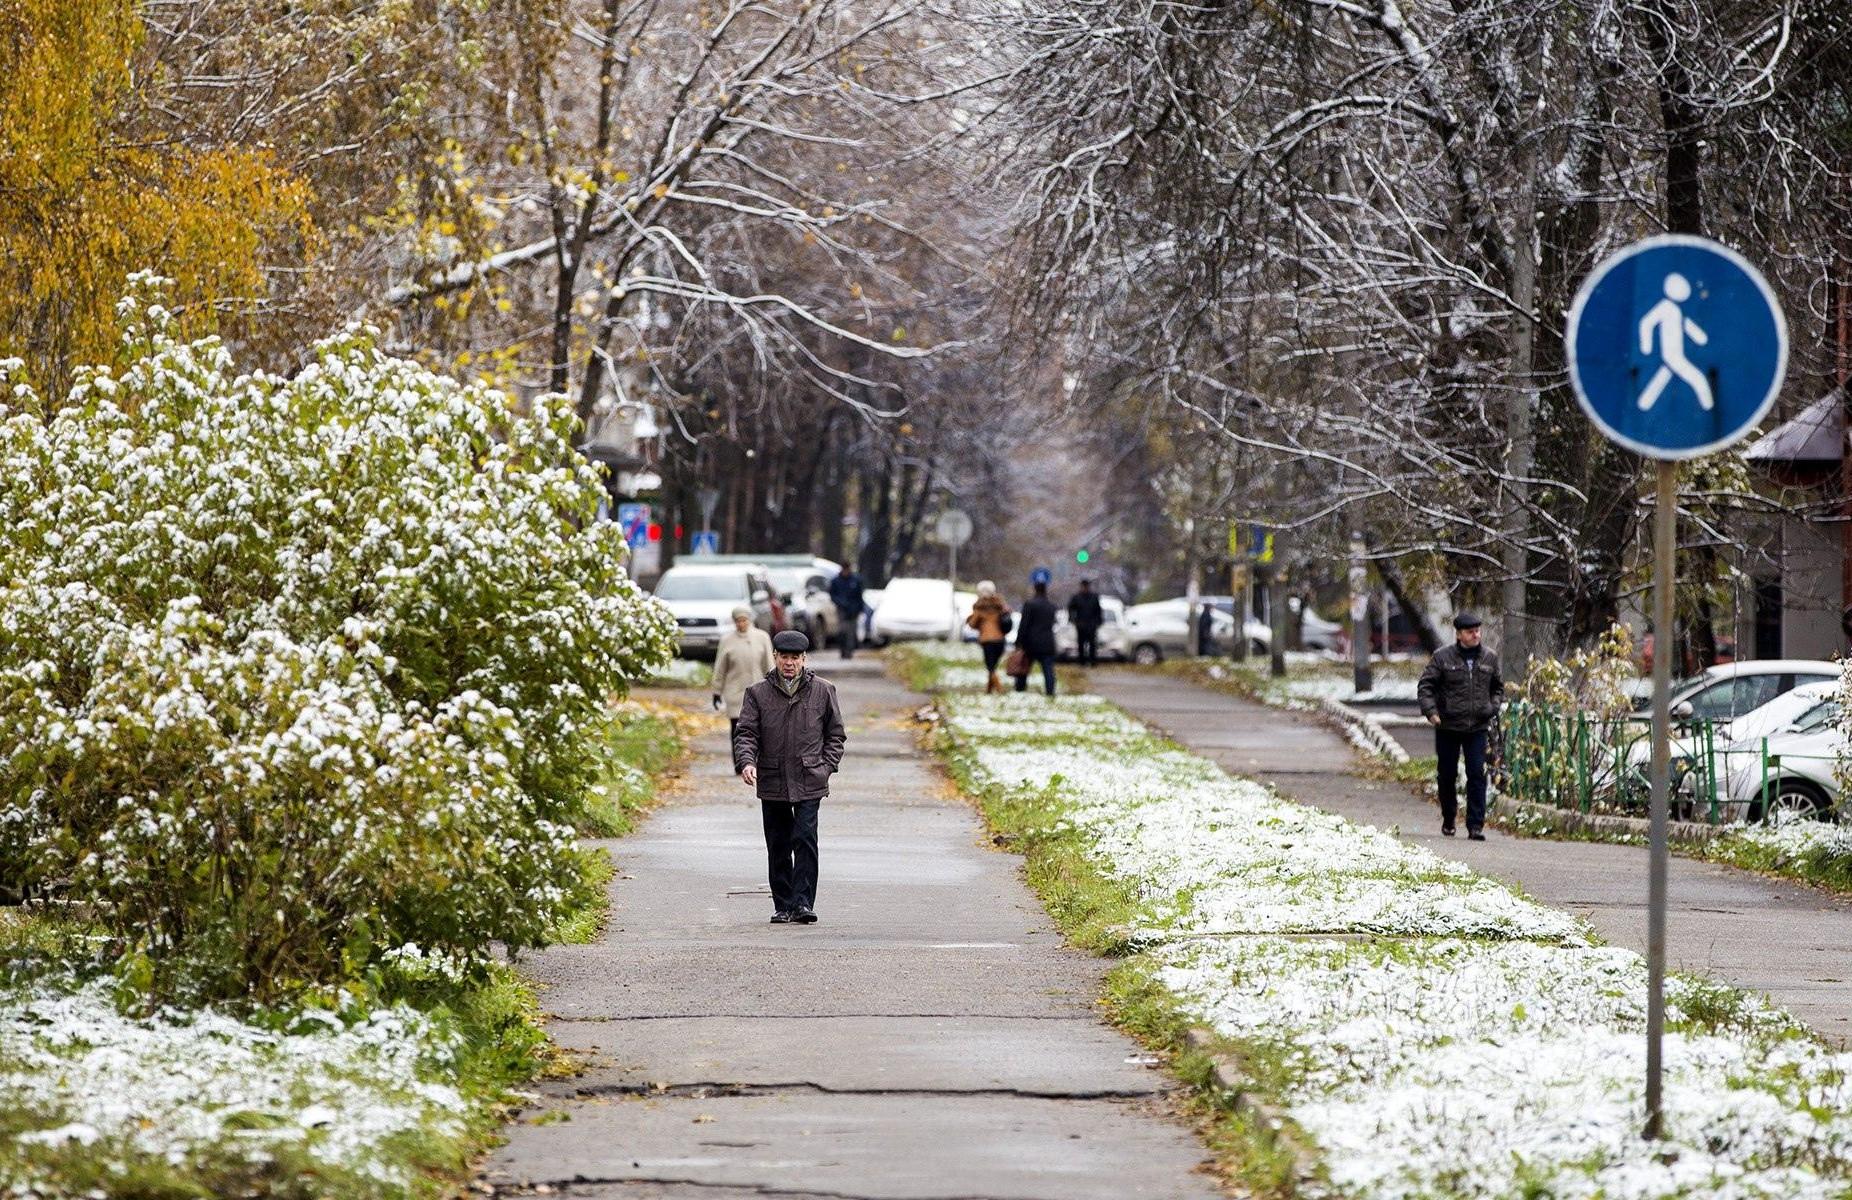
931,1038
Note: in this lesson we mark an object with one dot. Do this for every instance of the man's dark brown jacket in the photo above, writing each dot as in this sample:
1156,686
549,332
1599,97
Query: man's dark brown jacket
795,740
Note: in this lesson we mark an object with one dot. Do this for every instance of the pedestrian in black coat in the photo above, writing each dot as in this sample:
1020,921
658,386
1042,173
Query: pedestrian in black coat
1460,691
1035,637
1083,609
846,593
788,743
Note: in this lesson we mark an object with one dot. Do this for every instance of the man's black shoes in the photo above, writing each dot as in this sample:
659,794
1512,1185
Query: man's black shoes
1446,831
804,916
781,918
1473,835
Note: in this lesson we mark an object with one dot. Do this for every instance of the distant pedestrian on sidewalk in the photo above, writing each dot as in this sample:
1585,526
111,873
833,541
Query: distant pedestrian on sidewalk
990,616
787,745
1035,639
1083,609
745,654
1460,692
846,594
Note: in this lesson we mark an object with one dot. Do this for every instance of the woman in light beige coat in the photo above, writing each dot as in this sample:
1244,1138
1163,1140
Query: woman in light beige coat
744,656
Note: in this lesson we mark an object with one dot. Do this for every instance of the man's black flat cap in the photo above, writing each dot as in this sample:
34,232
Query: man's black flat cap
791,642
1460,621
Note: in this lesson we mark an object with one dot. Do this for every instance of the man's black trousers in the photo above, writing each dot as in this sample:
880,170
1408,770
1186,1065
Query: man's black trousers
846,639
1087,645
791,852
1448,746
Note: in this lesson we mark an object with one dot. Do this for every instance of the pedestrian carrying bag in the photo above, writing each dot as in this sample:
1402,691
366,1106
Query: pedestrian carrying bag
1017,663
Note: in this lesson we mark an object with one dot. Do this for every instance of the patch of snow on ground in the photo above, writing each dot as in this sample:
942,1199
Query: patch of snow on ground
1797,836
1332,688
683,670
1532,1056
178,1084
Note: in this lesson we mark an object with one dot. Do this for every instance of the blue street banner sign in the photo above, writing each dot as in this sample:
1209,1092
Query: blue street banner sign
706,541
633,519
1677,347
1041,575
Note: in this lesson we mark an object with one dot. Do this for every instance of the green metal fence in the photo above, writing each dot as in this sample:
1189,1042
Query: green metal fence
1570,759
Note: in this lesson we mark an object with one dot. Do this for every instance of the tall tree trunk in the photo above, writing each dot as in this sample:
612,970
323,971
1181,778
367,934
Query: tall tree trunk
877,524
830,504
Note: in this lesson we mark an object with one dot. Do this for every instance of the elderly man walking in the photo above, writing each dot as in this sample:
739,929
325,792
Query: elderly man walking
787,745
1460,692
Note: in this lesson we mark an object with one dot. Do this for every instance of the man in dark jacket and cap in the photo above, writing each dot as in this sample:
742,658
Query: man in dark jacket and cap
1460,692
788,744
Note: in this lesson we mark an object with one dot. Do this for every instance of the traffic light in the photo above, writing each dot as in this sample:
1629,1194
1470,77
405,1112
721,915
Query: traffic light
1081,557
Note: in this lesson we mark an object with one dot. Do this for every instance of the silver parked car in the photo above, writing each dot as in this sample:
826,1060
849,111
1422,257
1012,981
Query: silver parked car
1161,628
1782,758
702,598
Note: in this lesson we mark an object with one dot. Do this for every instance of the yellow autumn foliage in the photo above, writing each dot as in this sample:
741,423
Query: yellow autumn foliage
86,198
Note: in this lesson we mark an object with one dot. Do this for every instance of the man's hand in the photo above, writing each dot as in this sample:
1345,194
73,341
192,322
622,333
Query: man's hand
1434,718
750,774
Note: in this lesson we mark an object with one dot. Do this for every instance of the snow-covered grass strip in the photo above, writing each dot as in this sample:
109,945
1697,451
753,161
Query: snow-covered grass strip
1465,1041
1221,855
93,1095
1463,1068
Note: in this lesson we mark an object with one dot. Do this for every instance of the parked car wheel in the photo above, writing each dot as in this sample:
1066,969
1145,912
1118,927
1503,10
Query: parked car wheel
1796,797
1146,654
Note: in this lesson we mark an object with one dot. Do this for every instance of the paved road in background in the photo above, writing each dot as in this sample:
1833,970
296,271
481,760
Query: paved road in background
930,1038
1790,941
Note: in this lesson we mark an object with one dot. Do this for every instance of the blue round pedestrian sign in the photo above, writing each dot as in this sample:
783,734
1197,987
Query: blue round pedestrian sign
1677,346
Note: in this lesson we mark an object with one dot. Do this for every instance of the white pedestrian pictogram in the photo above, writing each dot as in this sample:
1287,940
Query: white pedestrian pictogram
1669,322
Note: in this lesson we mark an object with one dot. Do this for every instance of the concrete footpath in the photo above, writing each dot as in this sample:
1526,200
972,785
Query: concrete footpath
930,1038
1792,942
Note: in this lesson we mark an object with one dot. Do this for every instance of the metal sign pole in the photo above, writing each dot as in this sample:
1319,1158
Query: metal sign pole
1665,547
952,633
1640,316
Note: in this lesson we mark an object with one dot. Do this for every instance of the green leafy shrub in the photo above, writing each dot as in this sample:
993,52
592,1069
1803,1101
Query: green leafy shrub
296,671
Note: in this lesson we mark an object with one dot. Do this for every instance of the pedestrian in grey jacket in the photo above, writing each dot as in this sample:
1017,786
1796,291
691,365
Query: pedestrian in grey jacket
787,745
1460,691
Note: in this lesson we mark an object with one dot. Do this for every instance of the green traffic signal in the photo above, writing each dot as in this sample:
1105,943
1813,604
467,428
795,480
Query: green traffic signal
1081,556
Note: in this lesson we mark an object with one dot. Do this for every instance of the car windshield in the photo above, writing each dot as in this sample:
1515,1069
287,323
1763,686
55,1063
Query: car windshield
794,581
1817,718
689,585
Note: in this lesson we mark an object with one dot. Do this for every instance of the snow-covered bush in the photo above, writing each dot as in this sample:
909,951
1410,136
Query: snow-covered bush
297,670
